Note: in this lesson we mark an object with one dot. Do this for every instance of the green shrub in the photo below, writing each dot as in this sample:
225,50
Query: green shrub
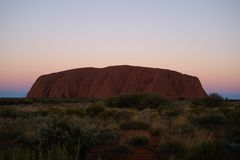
136,101
207,151
138,141
213,100
152,101
77,140
171,149
124,101
208,120
134,125
93,111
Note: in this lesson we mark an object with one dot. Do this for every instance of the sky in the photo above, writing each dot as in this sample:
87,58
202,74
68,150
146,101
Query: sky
196,37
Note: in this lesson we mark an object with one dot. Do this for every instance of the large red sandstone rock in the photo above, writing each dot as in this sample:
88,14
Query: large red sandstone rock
111,81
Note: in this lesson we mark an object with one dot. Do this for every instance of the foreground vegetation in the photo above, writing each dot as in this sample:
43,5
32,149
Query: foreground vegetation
124,127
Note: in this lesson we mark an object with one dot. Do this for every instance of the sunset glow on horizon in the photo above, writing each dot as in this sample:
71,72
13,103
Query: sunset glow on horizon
200,38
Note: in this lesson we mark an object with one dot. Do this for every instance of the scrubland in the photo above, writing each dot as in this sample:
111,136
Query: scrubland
127,127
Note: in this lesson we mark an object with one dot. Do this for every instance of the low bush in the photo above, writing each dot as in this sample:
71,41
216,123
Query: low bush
136,101
208,120
213,100
134,125
124,101
138,141
77,140
152,101
15,101
173,150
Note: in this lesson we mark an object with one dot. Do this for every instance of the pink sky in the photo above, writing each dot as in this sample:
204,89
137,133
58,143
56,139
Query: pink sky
199,38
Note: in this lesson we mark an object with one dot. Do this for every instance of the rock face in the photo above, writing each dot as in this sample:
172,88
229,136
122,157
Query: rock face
111,81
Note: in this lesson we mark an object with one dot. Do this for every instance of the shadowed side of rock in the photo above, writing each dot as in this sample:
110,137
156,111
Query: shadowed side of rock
111,81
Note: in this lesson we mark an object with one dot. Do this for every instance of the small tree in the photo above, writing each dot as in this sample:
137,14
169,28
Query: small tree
213,100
